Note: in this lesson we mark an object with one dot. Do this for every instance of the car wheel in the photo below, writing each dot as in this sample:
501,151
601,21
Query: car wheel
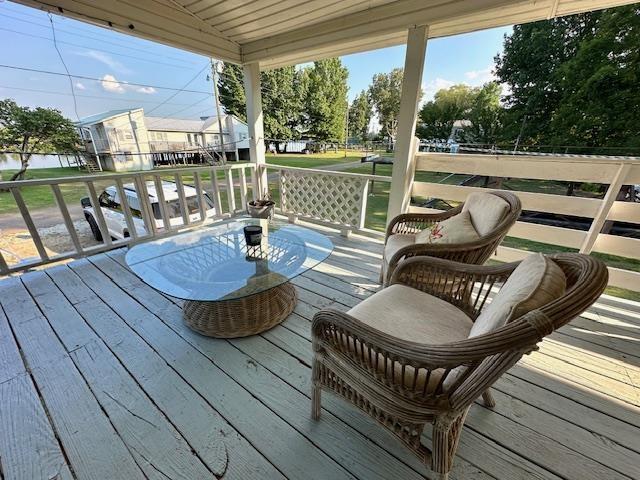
94,228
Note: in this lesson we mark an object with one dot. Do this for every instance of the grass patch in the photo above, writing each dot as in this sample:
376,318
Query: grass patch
546,248
41,196
313,160
623,293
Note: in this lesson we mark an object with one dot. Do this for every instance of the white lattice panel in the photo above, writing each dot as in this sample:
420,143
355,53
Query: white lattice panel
330,198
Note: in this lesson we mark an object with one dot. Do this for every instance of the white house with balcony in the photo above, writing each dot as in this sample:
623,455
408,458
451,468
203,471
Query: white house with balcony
127,140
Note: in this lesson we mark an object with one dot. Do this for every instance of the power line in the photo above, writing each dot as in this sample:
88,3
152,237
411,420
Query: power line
76,34
73,92
84,77
92,48
102,97
181,89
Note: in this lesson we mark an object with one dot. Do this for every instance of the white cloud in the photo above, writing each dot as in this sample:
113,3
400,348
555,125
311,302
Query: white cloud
111,84
105,59
80,86
481,76
146,90
430,89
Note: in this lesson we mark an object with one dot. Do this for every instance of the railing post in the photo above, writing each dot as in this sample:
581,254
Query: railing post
255,124
403,163
363,205
605,207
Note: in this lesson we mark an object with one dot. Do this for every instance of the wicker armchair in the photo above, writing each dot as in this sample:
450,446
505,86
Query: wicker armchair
476,252
391,379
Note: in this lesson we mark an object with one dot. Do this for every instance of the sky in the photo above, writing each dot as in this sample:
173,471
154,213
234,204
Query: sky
132,68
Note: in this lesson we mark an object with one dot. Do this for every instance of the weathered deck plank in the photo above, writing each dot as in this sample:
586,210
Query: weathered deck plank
221,447
91,443
153,441
29,449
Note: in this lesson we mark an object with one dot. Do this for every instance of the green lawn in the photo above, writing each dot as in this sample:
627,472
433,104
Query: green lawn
41,196
313,160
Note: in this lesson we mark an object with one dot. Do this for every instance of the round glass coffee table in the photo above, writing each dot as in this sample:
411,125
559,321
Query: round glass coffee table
231,290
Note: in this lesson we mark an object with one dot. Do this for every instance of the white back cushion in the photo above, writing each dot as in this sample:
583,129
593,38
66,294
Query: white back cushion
534,283
486,210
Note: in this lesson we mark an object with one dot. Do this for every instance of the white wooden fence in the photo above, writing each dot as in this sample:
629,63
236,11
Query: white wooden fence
613,171
222,179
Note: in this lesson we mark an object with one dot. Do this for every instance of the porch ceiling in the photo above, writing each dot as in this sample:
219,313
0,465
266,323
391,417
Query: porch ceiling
281,32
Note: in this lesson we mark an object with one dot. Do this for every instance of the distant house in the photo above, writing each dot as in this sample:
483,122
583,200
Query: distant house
126,140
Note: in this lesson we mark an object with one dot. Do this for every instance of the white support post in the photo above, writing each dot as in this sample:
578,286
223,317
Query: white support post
256,125
404,159
605,208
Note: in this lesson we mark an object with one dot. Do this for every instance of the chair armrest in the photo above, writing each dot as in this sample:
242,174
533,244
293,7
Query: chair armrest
414,222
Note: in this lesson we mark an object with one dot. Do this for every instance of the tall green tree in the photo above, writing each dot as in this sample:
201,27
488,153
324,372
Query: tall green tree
281,99
385,92
36,130
485,115
326,100
448,105
574,80
231,89
360,116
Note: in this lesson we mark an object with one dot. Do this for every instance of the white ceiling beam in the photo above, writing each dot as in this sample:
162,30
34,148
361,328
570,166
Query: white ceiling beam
388,18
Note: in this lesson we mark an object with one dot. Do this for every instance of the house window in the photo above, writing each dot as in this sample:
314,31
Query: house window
124,135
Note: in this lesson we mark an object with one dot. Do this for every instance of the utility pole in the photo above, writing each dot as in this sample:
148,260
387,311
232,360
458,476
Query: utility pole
214,76
346,130
524,121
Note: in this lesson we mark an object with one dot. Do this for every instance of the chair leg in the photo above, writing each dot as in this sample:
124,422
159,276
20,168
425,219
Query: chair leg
488,400
316,406
316,392
446,433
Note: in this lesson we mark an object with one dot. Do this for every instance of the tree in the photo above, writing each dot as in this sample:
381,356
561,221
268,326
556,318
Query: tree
281,100
360,116
448,105
574,80
231,89
485,115
326,99
35,130
385,92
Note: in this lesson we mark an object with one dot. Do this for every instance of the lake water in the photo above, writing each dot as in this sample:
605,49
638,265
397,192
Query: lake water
10,161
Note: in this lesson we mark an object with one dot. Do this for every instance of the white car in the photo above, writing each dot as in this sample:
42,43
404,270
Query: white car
111,207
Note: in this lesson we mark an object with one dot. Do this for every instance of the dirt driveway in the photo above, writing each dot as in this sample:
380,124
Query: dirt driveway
16,244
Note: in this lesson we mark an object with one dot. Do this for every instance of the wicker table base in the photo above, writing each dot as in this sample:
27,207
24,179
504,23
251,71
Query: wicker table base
241,317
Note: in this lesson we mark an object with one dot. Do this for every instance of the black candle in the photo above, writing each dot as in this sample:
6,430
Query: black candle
253,235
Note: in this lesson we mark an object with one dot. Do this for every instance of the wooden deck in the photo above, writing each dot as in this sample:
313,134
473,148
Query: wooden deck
100,379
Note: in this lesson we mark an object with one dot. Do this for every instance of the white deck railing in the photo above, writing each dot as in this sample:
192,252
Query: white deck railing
612,171
336,199
222,179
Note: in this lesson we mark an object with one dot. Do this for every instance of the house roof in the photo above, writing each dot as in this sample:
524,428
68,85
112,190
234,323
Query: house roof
286,32
101,117
173,124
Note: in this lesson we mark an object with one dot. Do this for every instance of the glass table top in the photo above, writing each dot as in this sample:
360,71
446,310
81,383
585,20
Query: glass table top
214,263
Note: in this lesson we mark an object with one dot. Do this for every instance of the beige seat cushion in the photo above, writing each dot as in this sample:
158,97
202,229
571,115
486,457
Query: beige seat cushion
457,229
486,210
411,315
537,281
397,241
